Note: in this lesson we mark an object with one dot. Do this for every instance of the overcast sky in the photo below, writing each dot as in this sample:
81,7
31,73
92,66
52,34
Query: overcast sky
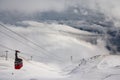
109,7
32,5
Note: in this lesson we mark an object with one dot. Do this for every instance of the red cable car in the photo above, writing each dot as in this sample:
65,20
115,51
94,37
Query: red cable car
18,61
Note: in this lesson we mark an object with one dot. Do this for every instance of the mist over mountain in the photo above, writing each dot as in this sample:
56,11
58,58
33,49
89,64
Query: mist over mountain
75,16
70,14
60,39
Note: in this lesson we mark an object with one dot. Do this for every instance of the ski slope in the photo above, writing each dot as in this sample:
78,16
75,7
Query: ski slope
31,71
51,46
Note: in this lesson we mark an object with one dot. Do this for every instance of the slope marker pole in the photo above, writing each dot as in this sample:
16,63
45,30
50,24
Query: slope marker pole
6,56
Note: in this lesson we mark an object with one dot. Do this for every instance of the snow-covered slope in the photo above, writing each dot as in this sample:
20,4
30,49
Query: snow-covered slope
58,53
31,71
58,41
96,68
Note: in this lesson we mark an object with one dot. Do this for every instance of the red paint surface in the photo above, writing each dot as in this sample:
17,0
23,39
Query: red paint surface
18,65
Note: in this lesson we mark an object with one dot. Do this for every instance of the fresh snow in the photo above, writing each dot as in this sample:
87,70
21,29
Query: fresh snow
31,71
53,62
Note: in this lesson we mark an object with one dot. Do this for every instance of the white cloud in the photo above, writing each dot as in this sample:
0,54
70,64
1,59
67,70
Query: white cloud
108,7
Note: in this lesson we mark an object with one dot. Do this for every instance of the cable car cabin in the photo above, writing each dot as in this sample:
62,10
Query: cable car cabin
18,62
